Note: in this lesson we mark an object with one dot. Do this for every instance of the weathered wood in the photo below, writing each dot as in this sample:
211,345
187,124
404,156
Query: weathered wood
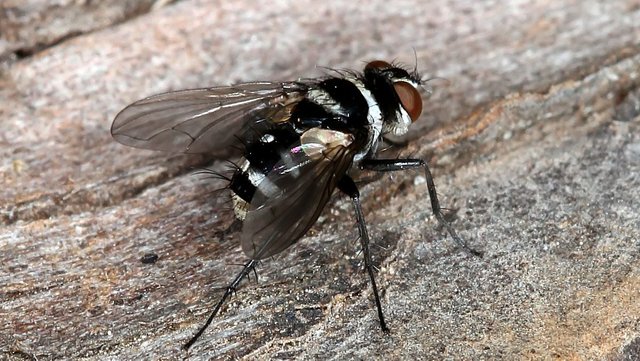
27,27
535,144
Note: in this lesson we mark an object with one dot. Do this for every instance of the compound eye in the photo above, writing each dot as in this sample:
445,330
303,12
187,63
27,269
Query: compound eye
378,64
410,99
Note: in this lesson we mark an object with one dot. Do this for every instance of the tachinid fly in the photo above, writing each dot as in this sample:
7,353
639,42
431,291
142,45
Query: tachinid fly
300,140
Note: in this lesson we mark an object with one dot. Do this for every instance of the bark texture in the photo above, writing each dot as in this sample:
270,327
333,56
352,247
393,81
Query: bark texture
534,142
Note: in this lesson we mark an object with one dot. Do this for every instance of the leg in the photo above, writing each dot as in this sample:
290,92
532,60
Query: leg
347,186
251,265
390,165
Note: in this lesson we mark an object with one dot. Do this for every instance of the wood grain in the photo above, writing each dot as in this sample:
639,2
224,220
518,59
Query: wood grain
534,143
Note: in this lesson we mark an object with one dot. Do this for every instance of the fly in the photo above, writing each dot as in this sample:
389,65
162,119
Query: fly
300,140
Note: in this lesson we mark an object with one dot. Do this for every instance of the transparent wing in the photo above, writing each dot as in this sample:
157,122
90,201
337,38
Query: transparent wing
201,120
289,199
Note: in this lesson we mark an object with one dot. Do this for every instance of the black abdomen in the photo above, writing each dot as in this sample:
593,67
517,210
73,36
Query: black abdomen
334,103
263,151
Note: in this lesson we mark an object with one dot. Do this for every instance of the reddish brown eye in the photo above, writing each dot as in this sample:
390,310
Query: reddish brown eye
378,64
410,99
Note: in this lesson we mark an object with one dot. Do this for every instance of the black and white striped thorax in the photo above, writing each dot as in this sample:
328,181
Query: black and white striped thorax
352,110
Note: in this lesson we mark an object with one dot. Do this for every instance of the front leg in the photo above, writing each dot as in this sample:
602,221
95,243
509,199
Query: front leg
390,165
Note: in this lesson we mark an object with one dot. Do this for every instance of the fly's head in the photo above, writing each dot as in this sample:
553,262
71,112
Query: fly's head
402,103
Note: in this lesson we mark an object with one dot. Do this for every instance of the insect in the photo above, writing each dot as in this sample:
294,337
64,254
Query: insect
300,140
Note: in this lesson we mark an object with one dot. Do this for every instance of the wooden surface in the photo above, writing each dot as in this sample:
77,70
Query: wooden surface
534,143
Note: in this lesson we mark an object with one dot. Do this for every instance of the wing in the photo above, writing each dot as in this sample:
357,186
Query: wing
290,198
201,120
